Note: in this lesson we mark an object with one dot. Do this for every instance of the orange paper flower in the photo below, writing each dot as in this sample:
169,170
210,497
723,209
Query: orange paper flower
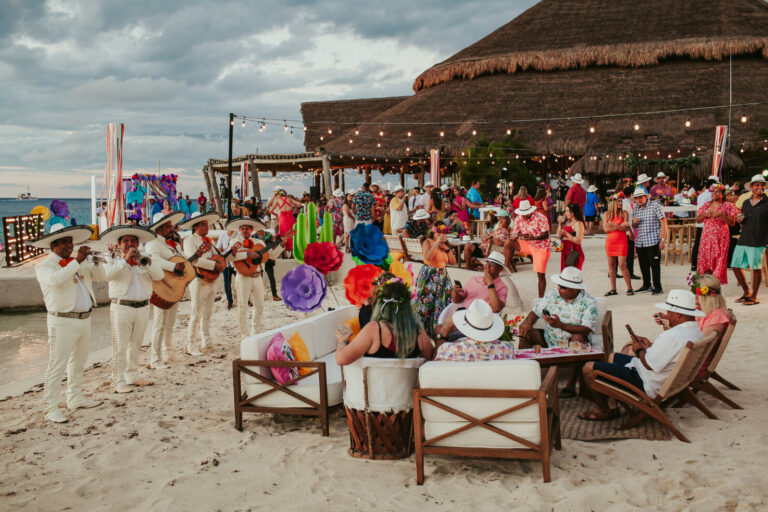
358,285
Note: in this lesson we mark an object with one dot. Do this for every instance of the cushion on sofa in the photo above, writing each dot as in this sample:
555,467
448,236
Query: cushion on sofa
277,352
300,352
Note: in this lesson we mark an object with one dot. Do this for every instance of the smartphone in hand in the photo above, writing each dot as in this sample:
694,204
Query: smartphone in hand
457,283
546,312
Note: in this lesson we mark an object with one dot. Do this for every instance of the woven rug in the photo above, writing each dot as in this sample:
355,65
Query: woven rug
571,427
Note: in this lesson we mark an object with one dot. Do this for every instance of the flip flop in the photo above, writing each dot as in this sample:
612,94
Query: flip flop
598,415
610,293
751,301
743,298
630,292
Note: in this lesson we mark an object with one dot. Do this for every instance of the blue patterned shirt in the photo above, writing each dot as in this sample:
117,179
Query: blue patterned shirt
580,311
363,203
649,229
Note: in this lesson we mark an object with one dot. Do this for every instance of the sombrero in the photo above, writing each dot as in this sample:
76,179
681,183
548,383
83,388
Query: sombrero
160,219
235,224
79,235
113,234
198,217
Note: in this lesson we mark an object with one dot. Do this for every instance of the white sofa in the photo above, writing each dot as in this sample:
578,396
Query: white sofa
310,395
513,413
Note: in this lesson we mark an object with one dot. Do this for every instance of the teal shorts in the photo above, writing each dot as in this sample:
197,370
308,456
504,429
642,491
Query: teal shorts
747,257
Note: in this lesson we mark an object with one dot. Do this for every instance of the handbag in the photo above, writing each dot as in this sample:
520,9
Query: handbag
572,259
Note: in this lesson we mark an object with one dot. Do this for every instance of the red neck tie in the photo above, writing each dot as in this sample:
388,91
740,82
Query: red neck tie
206,239
248,243
65,261
170,242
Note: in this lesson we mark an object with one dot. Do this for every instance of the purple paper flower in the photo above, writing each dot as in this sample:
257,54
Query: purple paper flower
303,288
367,243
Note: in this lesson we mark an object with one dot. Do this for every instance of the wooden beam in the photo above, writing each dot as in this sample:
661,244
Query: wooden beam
216,194
255,185
207,177
343,185
327,176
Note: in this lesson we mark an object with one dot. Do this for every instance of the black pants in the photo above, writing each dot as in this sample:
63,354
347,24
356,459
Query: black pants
695,250
649,259
269,268
228,273
631,256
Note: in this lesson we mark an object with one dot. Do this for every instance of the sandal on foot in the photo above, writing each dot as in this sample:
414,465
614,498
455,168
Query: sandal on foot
598,415
751,301
630,292
744,297
610,293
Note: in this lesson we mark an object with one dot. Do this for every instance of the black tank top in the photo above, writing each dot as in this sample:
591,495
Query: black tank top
387,353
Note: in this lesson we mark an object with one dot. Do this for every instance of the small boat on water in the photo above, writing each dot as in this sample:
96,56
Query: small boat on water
26,196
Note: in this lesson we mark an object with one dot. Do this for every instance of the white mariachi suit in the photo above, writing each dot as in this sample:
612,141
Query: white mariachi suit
248,287
130,288
67,290
163,319
201,293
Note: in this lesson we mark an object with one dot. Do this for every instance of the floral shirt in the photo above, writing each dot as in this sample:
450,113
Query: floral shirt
581,311
379,206
499,236
416,228
533,226
337,214
471,350
363,203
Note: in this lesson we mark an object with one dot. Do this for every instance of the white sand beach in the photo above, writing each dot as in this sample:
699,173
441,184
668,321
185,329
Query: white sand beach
173,446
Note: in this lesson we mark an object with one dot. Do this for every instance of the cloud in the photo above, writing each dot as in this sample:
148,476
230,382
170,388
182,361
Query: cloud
173,70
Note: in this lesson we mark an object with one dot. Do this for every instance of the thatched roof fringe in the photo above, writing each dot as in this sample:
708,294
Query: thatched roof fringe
624,55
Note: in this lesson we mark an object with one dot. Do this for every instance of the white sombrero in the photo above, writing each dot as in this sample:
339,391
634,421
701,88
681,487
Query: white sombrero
79,235
592,188
639,192
643,178
681,301
198,217
570,277
479,322
113,234
497,258
421,215
245,221
525,208
576,178
159,219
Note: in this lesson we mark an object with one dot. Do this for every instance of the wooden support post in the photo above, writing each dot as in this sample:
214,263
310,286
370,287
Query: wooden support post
327,176
420,176
368,175
402,178
255,185
216,194
343,185
207,178
336,180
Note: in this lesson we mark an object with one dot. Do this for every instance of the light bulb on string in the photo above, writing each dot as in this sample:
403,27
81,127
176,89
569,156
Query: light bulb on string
591,129
286,125
408,134
381,133
637,126
549,131
687,123
474,132
744,119
243,122
442,133
322,138
304,127
330,131
509,132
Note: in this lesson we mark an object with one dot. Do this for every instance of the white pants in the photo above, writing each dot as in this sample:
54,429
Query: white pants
162,331
253,288
202,296
68,340
128,328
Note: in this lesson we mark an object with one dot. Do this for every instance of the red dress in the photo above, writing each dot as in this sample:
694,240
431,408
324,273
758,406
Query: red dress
715,236
569,246
616,241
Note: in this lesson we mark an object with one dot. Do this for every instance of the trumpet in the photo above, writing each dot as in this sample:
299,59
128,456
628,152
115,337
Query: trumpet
144,260
100,257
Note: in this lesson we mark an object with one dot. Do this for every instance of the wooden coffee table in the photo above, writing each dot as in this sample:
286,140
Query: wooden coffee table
564,357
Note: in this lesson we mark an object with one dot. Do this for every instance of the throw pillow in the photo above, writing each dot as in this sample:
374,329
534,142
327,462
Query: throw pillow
300,352
354,324
275,352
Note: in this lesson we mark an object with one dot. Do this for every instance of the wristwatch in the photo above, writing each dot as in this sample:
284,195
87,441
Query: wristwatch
490,286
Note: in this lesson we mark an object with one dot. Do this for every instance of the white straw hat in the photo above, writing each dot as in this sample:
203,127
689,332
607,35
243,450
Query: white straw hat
661,174
592,188
757,178
639,192
113,234
576,178
399,188
338,193
444,187
570,277
681,301
79,235
197,217
429,184
497,258
479,322
525,208
235,224
421,215
160,218
714,178
643,178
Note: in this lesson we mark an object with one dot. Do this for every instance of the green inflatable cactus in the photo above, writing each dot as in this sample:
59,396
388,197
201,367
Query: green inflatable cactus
306,231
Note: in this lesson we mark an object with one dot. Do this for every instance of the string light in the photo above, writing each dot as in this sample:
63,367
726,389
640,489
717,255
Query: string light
442,133
509,132
409,134
286,126
381,133
330,131
744,119
549,131
243,122
321,137
474,132
357,132
304,127
637,126
591,129
687,123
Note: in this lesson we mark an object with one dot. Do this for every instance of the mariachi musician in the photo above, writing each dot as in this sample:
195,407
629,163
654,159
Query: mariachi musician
201,291
67,288
130,288
161,250
251,286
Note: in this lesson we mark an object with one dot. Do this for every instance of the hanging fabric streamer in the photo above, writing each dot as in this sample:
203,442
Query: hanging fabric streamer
113,175
434,166
718,155
244,181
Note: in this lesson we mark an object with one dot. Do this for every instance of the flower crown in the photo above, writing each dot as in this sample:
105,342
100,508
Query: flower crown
617,196
696,289
717,186
439,228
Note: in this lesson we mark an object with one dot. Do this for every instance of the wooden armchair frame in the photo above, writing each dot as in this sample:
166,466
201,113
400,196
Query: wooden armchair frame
676,387
243,403
549,423
702,383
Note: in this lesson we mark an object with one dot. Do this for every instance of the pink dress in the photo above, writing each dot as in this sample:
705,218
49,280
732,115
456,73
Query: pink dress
458,207
715,237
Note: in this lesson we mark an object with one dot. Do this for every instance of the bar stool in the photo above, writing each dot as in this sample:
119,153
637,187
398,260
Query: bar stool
674,243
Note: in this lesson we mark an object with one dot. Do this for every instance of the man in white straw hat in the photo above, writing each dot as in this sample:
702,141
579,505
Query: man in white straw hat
482,329
653,362
570,313
67,288
662,189
750,248
650,236
418,226
248,287
201,292
642,182
490,287
161,250
398,211
130,288
530,235
576,194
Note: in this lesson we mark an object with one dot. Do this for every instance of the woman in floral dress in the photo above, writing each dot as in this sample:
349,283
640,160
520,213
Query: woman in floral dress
433,285
335,207
716,215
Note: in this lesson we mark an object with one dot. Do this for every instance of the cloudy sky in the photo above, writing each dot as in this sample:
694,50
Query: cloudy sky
173,70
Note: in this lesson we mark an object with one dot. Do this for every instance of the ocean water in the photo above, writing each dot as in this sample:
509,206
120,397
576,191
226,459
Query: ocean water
79,209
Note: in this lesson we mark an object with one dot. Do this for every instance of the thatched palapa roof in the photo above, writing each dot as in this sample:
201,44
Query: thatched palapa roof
568,61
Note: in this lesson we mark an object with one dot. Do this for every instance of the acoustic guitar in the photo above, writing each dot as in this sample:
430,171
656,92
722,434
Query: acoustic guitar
257,255
170,289
210,276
